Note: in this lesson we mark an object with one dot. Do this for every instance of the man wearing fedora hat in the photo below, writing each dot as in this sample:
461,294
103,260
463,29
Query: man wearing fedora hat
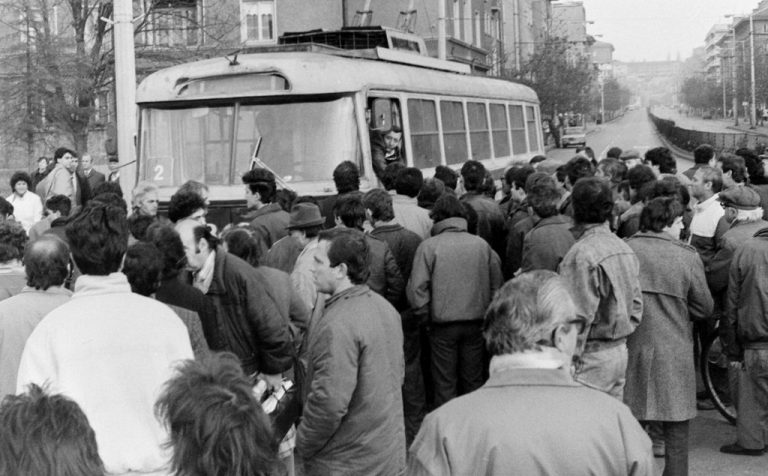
304,226
303,220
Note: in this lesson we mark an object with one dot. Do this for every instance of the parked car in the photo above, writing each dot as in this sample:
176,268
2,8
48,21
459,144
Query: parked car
574,136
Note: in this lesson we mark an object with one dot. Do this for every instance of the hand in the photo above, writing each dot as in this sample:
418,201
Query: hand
735,365
273,381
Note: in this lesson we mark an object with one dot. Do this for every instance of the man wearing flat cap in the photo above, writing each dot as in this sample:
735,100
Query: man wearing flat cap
745,216
746,317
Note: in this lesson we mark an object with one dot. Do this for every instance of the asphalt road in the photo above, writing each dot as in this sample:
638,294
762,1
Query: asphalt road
631,131
709,430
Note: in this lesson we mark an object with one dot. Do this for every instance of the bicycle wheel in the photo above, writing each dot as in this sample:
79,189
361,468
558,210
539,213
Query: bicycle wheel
714,373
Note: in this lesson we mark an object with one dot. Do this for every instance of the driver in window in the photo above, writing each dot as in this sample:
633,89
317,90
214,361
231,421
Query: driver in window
386,149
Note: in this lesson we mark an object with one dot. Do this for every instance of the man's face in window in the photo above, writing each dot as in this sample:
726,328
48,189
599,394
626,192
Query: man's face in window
392,141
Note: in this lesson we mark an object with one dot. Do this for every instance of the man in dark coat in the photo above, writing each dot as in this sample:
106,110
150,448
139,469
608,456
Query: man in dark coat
265,215
91,175
453,279
403,244
250,323
550,239
346,177
385,277
490,220
353,413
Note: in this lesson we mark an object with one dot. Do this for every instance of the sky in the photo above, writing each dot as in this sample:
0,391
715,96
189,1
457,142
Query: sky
654,30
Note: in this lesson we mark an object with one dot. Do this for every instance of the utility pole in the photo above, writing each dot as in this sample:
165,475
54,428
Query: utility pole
125,90
735,81
441,34
752,105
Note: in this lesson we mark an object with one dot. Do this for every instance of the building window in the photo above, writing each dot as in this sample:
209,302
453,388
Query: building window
257,21
478,29
172,23
456,19
467,36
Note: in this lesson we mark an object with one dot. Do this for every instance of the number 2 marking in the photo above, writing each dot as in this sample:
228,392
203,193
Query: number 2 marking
159,173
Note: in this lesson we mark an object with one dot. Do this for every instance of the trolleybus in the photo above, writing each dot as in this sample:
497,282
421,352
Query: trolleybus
300,113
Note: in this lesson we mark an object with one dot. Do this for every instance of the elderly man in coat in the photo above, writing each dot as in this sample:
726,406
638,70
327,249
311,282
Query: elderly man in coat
353,412
661,383
531,417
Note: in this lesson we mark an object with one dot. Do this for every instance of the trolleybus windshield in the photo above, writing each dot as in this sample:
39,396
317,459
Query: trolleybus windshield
299,141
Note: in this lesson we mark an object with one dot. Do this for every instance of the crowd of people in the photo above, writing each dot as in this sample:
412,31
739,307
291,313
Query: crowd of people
426,327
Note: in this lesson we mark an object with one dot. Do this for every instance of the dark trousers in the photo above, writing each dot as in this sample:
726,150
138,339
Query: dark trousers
457,359
675,447
414,401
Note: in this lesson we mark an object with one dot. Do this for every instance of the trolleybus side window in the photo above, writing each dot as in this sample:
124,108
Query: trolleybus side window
425,140
500,132
532,120
386,132
479,137
454,132
517,124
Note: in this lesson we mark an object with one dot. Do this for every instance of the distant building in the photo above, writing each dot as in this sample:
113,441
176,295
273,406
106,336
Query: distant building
525,29
569,21
713,52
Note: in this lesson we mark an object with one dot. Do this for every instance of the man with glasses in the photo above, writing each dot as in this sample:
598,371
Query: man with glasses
531,415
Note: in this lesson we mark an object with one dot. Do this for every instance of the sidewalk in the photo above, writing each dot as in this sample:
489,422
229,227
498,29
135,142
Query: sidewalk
707,125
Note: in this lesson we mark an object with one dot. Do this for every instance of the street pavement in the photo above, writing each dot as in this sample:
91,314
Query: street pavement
707,125
709,430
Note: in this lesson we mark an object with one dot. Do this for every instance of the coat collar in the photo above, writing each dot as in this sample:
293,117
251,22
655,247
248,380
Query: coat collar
354,291
91,285
266,209
522,377
450,224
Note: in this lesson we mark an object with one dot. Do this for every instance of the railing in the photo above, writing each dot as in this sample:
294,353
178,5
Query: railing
689,139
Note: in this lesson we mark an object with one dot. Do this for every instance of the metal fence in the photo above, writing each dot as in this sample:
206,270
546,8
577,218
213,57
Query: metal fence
722,141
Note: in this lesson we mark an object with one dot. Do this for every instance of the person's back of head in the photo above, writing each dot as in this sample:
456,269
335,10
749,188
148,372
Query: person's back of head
346,176
473,173
184,204
193,186
42,434
447,175
138,225
662,158
409,181
447,206
640,175
143,267
432,189
379,202
108,187
488,188
98,238
536,159
168,242
46,262
755,167
537,178
59,203
670,187
703,154
243,243
613,153
578,168
111,199
216,425
735,165
261,181
389,175
517,175
544,197
350,210
6,208
660,213
592,201
526,312
13,239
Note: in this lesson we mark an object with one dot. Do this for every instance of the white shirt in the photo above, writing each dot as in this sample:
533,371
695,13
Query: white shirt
111,351
28,209
705,217
411,216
